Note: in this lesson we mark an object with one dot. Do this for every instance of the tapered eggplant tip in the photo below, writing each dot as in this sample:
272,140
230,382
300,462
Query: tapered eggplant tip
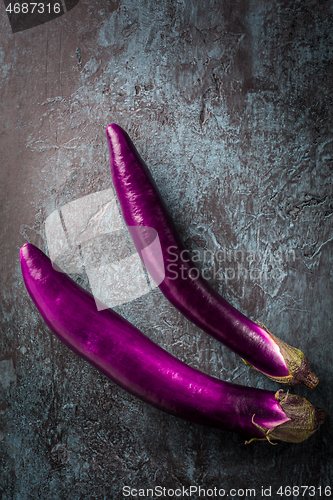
109,128
24,251
112,129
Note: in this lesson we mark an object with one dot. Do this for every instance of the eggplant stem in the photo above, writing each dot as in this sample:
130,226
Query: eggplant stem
263,430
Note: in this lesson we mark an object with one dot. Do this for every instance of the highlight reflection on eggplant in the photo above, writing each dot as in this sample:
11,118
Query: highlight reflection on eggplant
134,362
143,207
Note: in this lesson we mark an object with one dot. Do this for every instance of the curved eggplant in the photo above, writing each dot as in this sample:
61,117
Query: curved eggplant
134,362
143,207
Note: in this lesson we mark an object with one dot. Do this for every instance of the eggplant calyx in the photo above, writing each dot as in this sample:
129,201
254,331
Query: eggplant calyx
304,420
266,433
297,363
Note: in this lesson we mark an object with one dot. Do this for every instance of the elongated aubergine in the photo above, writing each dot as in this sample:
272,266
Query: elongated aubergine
133,361
143,207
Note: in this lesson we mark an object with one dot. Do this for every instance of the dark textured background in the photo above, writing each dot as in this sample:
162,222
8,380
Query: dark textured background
230,104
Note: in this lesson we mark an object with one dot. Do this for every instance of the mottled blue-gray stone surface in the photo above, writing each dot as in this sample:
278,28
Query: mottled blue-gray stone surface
230,105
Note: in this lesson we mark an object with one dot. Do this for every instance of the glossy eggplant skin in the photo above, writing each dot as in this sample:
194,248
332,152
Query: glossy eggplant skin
142,205
134,362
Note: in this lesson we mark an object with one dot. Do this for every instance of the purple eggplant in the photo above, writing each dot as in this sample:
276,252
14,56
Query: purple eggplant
134,362
143,208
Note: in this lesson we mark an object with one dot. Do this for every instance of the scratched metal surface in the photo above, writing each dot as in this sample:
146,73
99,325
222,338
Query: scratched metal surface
230,105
